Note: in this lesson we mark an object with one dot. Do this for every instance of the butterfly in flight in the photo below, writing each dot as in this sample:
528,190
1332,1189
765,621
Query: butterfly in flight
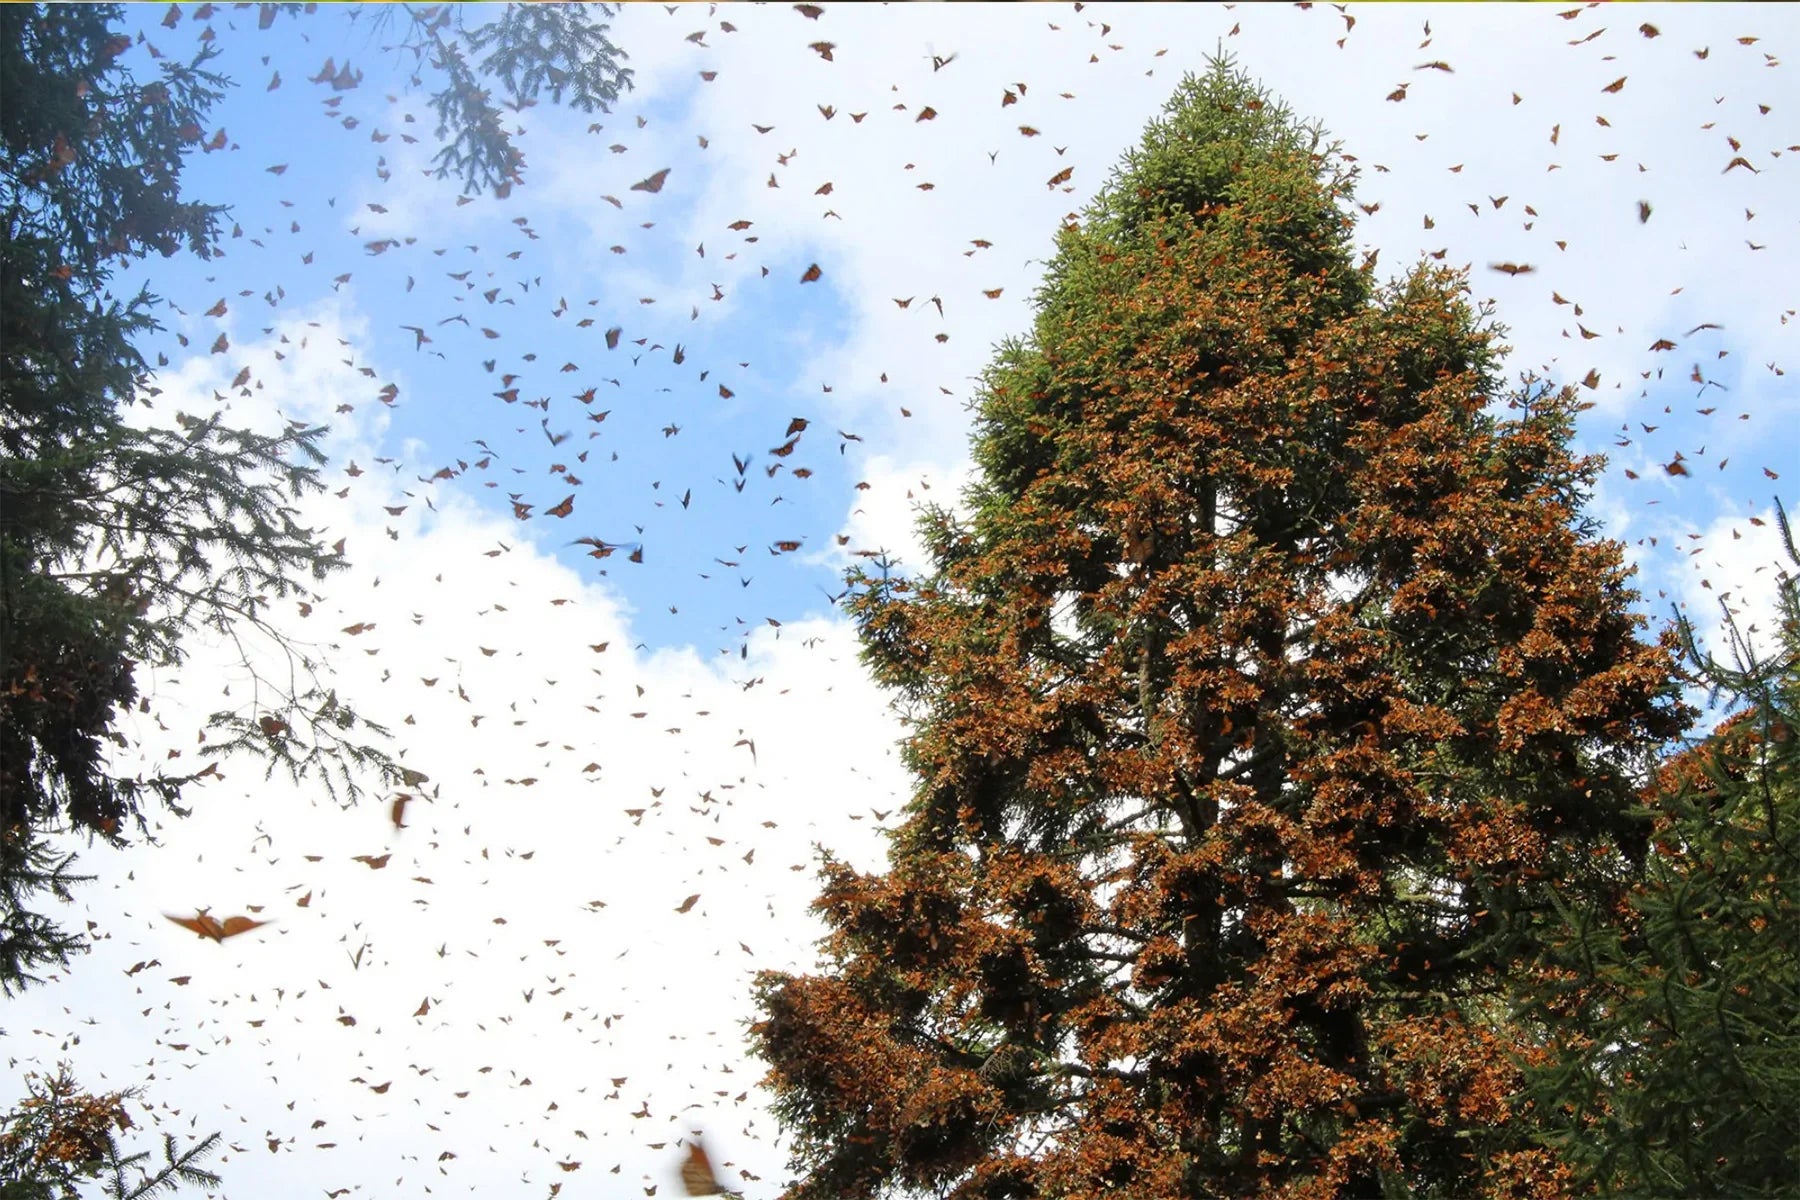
653,183
697,1178
209,926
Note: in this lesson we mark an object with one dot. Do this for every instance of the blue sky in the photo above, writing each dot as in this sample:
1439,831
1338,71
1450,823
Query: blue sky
604,750
507,265
533,329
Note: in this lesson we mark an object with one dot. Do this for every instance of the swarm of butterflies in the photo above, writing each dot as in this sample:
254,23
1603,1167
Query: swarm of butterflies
697,1173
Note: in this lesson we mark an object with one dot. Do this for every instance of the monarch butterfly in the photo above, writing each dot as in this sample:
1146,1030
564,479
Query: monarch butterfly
209,926
697,1177
811,274
652,184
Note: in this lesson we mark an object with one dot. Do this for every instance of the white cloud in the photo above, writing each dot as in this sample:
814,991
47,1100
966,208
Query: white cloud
1734,566
560,775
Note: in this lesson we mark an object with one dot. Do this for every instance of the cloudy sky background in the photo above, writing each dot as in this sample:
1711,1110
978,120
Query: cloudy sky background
607,738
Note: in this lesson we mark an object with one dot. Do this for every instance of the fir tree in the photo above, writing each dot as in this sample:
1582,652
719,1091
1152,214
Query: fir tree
1264,706
118,542
60,1137
1676,1018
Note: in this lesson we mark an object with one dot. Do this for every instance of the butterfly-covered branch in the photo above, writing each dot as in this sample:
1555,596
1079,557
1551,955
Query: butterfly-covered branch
59,1137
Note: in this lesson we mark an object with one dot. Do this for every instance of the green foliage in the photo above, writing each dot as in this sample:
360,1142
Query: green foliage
60,1137
30,941
525,50
94,160
1678,1017
118,542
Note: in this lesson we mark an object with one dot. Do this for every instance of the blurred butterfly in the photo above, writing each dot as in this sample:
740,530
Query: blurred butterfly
812,274
208,926
697,1177
653,184
1512,268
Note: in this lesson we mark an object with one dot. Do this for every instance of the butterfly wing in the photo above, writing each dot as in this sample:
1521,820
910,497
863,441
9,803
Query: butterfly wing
697,1177
200,923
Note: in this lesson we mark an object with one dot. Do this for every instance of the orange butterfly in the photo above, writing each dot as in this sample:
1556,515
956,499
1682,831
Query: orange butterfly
1512,268
208,926
653,184
812,274
697,1177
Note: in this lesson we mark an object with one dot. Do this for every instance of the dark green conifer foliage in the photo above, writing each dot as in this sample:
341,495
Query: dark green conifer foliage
1677,1018
59,1139
117,541
508,56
